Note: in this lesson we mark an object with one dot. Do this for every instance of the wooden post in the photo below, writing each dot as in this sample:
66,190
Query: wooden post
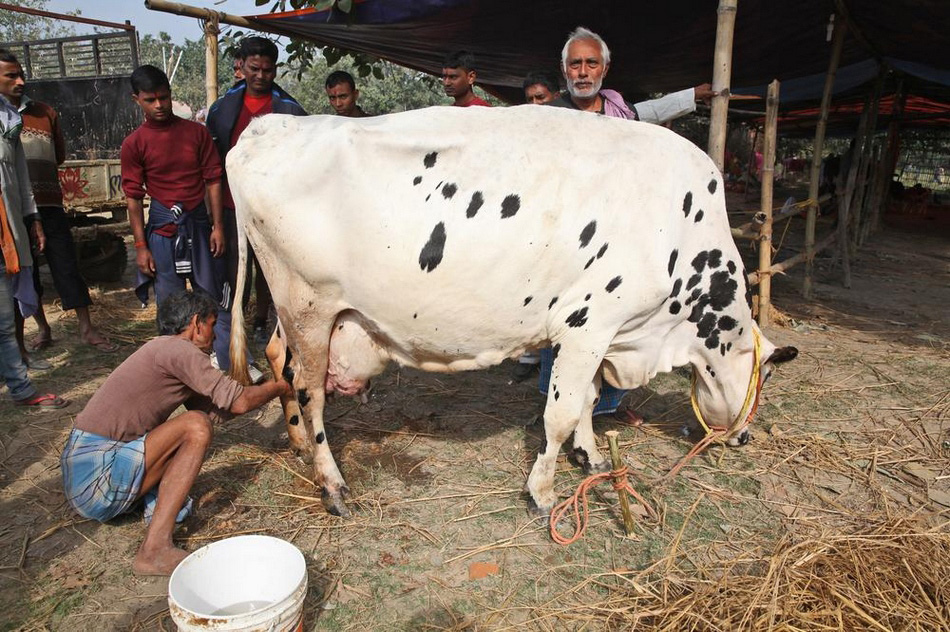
812,218
722,75
888,162
865,175
856,153
768,174
617,463
211,59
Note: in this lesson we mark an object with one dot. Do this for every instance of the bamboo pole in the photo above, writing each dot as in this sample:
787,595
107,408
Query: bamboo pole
889,160
622,494
856,153
780,268
811,220
211,59
862,196
722,75
768,174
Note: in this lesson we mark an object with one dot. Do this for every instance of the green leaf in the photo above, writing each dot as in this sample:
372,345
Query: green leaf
323,5
344,5
258,3
363,71
378,72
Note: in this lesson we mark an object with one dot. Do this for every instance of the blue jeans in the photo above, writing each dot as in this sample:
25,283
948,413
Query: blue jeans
11,364
167,282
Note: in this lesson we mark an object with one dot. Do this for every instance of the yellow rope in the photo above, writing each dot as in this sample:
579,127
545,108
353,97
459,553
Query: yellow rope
750,393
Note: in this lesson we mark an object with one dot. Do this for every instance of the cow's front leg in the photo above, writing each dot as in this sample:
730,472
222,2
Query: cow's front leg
585,452
570,403
280,363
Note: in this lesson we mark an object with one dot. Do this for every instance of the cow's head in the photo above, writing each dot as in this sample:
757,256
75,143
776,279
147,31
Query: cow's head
726,392
354,356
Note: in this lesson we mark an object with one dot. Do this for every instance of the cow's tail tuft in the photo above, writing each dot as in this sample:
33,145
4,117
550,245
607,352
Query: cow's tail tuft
238,371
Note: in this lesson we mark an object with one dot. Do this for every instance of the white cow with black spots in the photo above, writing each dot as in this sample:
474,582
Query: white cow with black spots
449,239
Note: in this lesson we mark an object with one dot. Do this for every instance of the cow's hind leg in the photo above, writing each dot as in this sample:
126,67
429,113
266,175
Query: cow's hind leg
279,358
585,453
308,343
570,403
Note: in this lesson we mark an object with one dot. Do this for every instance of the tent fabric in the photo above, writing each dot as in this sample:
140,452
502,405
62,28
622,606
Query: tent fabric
656,46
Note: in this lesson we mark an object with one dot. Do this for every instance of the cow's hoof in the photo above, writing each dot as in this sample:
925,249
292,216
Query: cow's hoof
596,468
741,439
538,511
334,503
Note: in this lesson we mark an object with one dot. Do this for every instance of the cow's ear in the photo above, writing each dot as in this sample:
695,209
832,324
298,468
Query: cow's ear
783,354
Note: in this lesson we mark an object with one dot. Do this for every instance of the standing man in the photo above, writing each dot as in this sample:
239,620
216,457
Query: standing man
255,96
540,87
175,162
124,445
458,79
585,60
17,211
45,150
342,93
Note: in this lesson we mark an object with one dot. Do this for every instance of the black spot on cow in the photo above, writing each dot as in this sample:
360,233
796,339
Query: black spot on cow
698,309
715,258
712,185
587,298
672,262
675,307
544,446
722,350
741,329
713,340
310,303
428,196
613,283
687,203
320,437
510,205
693,296
706,325
416,180
416,315
699,261
429,160
676,287
748,291
731,266
294,420
431,255
603,249
474,204
439,184
699,216
577,318
722,290
727,323
288,372
555,350
693,281
728,346
449,190
709,370
527,300
557,395
340,327
553,301
303,397
589,262
588,233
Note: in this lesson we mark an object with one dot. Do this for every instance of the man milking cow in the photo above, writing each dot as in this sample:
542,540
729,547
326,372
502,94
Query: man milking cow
126,446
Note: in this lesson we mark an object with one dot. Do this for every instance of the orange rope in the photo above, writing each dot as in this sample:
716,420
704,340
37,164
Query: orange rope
578,503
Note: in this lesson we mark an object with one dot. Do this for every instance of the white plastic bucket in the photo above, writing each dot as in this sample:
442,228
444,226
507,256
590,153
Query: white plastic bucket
245,583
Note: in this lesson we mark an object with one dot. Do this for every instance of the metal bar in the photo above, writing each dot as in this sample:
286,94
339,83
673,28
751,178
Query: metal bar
63,16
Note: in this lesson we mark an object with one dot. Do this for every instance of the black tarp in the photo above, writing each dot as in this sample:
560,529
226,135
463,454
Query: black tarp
656,46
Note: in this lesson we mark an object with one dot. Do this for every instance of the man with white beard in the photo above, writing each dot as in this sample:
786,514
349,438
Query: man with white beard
585,60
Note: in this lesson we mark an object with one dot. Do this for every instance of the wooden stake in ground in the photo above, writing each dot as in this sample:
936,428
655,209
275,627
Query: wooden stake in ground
768,174
622,494
841,27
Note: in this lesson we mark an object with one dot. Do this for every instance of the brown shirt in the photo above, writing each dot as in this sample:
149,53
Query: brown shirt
45,150
155,380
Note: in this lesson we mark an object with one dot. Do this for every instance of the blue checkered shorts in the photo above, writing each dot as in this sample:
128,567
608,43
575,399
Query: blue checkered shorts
609,396
102,477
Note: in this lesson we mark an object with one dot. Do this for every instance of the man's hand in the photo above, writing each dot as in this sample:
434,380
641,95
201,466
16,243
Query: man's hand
217,241
39,237
704,92
145,262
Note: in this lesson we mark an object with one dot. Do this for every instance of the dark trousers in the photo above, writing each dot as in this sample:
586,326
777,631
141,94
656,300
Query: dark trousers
231,257
60,254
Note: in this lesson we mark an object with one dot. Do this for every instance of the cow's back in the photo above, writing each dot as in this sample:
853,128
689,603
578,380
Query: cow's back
469,233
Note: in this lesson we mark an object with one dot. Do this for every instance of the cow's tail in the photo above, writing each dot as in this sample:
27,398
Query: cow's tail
238,370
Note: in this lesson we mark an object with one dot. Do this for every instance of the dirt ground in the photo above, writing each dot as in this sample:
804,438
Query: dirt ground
850,433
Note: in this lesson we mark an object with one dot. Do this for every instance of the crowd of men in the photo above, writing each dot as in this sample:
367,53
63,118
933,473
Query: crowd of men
125,445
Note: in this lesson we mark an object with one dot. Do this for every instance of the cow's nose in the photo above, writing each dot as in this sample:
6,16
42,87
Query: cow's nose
744,437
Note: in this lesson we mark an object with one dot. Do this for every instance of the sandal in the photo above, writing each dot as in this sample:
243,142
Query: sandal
44,402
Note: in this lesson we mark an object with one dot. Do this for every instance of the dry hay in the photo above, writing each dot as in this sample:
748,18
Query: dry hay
890,576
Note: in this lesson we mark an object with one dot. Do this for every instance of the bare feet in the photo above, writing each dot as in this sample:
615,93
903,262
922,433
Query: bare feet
160,562
93,338
42,340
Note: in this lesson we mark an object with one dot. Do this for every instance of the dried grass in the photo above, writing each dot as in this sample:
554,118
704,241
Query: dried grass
891,575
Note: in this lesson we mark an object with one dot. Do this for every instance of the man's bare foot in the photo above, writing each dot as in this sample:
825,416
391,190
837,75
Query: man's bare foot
41,340
158,563
93,338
